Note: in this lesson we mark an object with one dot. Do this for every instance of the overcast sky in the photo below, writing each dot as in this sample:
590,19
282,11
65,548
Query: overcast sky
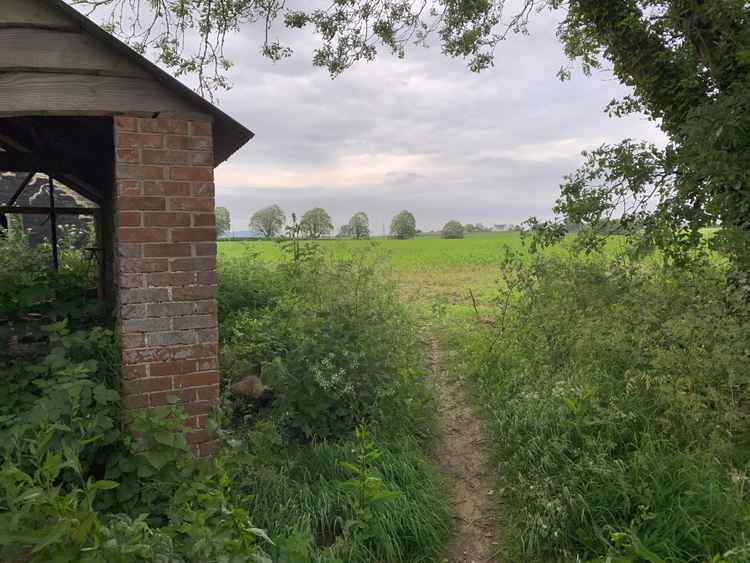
424,134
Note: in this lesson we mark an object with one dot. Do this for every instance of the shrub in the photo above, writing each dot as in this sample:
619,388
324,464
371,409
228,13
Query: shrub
614,394
453,230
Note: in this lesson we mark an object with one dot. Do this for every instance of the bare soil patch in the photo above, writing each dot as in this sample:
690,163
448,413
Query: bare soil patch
464,458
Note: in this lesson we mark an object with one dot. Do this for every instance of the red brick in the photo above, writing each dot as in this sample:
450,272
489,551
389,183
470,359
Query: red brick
161,398
201,143
135,401
161,156
167,250
170,309
208,364
200,436
178,142
207,335
203,189
124,123
131,281
154,173
130,203
205,249
164,125
153,295
129,250
146,140
134,372
167,219
125,171
193,264
172,279
204,220
140,234
129,187
207,278
147,325
128,219
194,321
201,129
197,379
192,173
133,311
198,408
192,293
172,338
208,393
191,204
200,158
166,187
193,234
172,368
144,265
147,385
128,155
209,307
131,341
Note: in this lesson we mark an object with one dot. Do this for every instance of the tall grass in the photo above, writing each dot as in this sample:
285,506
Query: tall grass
616,398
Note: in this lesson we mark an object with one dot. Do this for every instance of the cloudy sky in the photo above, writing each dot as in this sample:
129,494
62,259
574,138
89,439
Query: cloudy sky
423,134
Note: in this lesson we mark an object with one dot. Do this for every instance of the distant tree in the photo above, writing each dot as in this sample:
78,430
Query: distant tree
469,228
223,222
316,223
453,229
404,226
268,221
359,226
345,231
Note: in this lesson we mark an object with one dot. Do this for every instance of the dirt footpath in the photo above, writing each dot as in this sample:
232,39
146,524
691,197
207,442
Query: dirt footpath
464,458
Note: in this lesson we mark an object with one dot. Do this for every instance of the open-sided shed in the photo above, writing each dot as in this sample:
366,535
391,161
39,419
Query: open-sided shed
84,109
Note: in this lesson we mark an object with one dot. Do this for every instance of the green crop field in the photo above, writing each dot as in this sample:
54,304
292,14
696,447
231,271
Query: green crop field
428,269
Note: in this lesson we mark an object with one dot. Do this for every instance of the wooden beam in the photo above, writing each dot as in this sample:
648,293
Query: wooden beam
21,210
29,162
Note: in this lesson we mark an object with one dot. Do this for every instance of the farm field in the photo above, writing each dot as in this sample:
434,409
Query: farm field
428,270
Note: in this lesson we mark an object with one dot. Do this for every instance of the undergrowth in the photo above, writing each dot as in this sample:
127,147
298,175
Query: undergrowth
617,398
339,350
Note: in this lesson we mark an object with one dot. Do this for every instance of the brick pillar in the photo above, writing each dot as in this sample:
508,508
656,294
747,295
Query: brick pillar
165,267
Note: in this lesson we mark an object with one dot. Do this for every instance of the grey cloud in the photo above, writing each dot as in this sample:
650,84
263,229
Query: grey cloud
422,133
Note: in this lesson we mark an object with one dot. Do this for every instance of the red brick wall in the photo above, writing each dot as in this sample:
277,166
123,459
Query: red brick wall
165,266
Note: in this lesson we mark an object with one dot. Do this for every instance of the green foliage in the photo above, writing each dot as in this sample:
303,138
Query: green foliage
366,488
615,396
316,223
268,221
359,226
336,346
688,65
453,230
404,226
223,221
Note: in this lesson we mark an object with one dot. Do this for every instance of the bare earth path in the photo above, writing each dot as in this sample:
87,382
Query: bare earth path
464,458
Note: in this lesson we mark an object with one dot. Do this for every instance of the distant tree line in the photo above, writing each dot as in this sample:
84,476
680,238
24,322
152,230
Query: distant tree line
316,223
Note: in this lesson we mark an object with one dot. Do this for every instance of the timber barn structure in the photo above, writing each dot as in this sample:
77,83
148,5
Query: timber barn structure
80,111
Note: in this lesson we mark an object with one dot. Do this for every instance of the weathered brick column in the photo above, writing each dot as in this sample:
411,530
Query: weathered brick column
165,266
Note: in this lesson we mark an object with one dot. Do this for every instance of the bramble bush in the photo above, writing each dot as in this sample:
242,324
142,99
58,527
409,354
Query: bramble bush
616,396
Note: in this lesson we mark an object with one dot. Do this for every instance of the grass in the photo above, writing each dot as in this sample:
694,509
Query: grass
429,270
